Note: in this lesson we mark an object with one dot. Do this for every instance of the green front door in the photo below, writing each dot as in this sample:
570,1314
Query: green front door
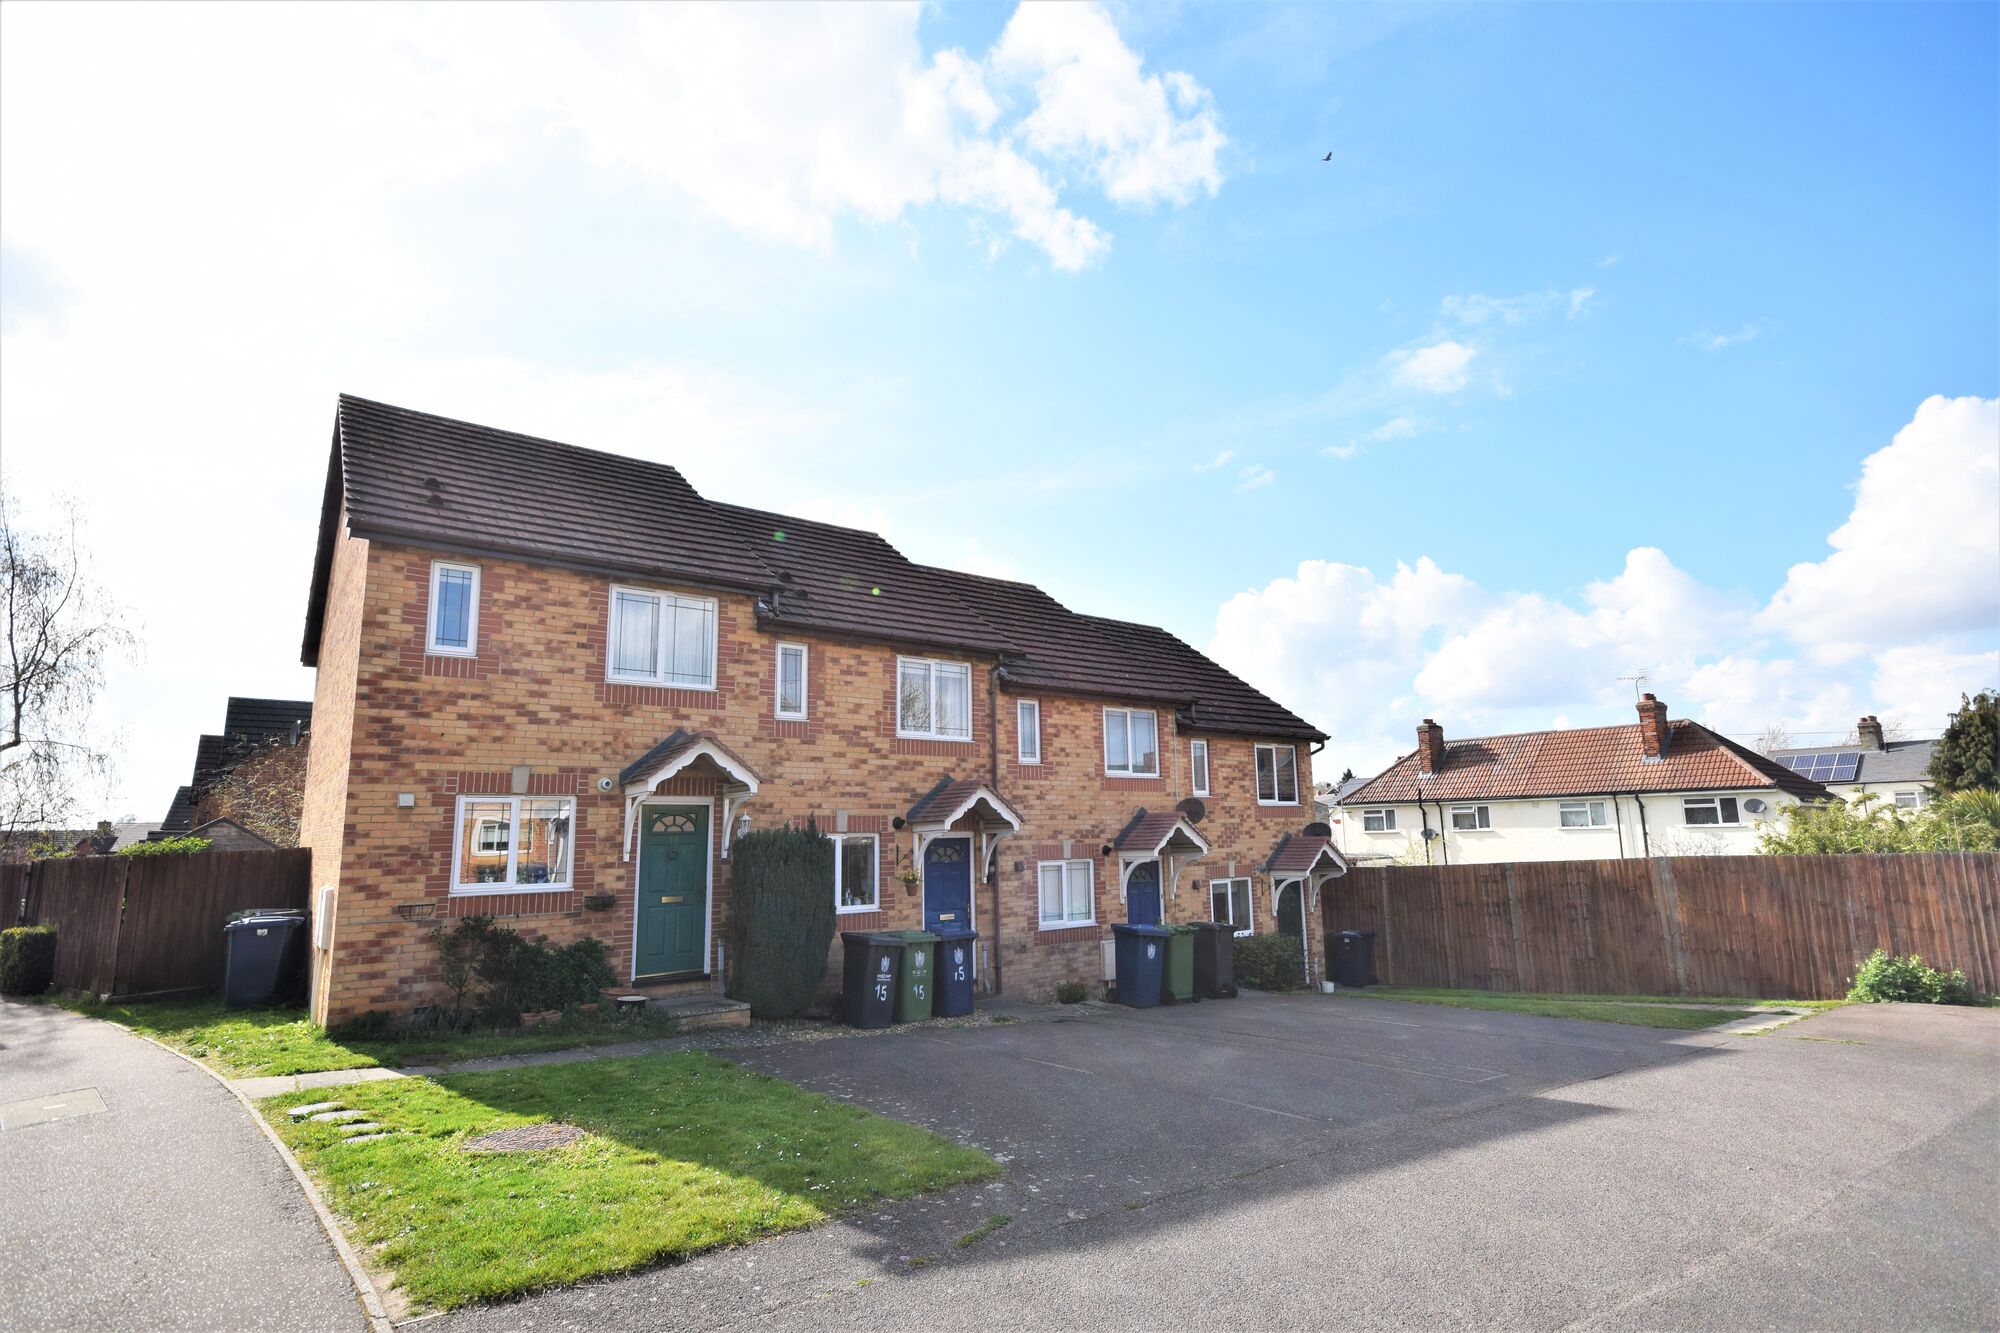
673,890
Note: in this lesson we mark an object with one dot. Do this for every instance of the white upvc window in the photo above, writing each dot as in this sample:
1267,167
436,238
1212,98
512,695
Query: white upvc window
933,699
1277,775
791,691
856,884
1710,810
508,843
1470,818
1028,725
1198,767
1230,902
1378,821
1131,743
1066,893
1583,814
1910,800
451,629
661,638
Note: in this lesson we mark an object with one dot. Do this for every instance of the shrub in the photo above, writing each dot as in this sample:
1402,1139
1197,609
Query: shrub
781,916
185,845
1885,979
27,959
1071,992
495,975
1270,962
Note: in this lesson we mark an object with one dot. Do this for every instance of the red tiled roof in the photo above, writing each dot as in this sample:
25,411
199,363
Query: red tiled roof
1298,853
1585,761
673,747
940,802
1149,831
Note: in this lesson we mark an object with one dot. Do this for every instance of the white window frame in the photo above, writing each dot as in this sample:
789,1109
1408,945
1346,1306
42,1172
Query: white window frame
778,681
431,644
875,839
665,600
1591,811
1104,743
931,665
1257,773
1249,899
513,803
1915,802
1386,814
1068,869
1482,818
1689,804
1022,709
1198,768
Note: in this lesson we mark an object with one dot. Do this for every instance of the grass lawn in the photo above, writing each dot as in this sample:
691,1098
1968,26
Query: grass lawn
1653,1011
245,1043
685,1152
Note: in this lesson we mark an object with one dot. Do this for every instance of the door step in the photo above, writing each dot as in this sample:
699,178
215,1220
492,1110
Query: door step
699,1013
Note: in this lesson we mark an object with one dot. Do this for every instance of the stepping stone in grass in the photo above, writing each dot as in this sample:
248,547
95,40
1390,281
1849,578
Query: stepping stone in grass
526,1138
367,1138
359,1127
336,1117
312,1108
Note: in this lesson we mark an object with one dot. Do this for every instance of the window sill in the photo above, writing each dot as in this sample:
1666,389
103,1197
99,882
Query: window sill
489,890
430,651
1065,925
927,736
1026,762
789,717
1131,777
1289,805
655,683
858,911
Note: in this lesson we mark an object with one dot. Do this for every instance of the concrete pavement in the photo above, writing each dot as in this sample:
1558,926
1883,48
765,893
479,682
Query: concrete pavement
165,1210
1306,1161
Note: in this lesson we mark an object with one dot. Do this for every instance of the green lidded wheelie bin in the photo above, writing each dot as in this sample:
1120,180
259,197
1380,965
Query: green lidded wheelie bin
1177,985
915,992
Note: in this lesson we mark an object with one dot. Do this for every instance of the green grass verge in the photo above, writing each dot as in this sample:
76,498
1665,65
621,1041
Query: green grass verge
1636,1011
685,1152
246,1043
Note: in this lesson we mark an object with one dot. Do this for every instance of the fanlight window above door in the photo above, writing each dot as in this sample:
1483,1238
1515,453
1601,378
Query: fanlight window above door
673,823
945,853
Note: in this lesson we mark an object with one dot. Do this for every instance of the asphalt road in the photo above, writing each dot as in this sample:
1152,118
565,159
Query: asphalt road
1317,1162
167,1209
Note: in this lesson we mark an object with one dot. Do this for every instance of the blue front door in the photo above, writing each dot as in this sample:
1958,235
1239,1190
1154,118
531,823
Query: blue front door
948,884
1142,895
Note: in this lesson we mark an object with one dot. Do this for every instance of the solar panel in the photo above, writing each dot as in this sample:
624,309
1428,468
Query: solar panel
1827,766
1845,767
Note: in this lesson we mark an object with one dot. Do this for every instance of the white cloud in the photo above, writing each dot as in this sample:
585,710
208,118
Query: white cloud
1715,342
1254,475
1395,428
1477,309
1438,368
1921,683
1919,555
1215,462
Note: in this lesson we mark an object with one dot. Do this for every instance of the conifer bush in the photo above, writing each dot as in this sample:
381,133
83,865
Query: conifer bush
781,916
27,959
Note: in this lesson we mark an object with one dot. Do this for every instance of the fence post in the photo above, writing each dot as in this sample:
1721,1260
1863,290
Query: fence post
1388,935
118,931
1514,931
1666,896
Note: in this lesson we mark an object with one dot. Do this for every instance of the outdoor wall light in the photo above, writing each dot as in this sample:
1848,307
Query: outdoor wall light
742,824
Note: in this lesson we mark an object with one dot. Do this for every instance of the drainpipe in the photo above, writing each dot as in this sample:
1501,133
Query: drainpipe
1444,837
993,779
1645,841
1424,818
1618,822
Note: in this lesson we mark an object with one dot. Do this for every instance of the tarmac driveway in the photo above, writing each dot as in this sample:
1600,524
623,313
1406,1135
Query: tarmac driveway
1286,1162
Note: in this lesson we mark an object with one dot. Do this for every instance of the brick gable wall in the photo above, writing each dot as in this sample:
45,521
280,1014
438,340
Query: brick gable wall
391,720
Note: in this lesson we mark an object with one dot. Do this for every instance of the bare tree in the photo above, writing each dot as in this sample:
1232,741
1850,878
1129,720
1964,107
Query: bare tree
1774,737
60,630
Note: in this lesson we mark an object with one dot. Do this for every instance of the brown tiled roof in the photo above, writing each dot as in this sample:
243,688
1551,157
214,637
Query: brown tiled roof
1585,761
1147,830
432,481
677,743
1297,853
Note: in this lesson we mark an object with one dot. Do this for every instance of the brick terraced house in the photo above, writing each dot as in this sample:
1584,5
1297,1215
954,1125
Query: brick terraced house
554,684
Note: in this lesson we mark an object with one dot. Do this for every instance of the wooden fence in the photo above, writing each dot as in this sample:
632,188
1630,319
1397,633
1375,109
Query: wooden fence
146,925
1768,927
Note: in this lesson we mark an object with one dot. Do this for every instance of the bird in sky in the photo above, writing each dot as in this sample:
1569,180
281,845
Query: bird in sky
1327,158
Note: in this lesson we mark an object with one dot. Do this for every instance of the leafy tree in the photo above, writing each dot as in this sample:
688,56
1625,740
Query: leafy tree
59,631
1966,756
1956,822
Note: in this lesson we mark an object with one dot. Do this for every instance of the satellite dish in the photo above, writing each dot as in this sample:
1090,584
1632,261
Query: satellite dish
1429,834
1319,830
1192,809
1755,805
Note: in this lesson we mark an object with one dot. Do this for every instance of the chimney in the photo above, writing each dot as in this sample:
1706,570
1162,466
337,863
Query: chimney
1652,726
1869,732
1430,748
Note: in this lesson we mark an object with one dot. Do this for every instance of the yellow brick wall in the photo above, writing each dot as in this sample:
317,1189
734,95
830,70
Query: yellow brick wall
536,696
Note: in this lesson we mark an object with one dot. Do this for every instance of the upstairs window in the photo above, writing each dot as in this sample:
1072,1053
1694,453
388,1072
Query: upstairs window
1910,800
1277,775
660,638
1378,821
933,699
1028,723
791,680
1710,810
1229,903
1584,814
1131,743
1198,767
1471,818
506,843
453,627
855,888
1066,897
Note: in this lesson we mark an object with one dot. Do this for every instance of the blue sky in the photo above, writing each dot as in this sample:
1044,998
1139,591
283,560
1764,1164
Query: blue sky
1589,326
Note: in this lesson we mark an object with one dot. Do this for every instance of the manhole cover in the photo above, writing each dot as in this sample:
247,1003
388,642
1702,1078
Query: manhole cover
528,1138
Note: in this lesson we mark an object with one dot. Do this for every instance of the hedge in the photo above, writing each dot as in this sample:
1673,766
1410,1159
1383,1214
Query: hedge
1271,962
781,916
27,959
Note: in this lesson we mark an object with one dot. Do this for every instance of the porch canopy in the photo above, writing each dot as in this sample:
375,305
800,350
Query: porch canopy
735,781
1168,837
963,800
1308,857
